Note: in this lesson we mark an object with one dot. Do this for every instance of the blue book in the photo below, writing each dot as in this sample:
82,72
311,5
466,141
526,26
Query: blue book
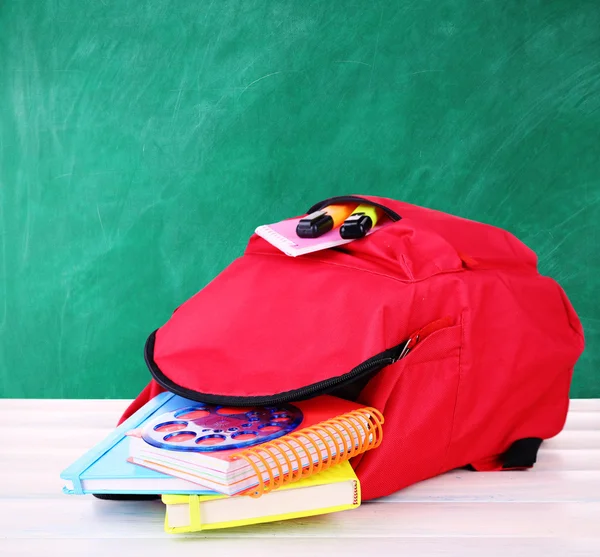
105,468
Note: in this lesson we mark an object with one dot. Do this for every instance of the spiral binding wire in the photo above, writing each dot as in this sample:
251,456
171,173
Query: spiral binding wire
358,431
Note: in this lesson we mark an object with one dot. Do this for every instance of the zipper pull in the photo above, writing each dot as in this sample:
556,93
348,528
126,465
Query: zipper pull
408,346
423,332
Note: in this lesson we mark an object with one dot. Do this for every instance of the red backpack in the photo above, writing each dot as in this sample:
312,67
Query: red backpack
443,324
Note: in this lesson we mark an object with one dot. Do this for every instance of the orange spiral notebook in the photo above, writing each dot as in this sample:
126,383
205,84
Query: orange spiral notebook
251,451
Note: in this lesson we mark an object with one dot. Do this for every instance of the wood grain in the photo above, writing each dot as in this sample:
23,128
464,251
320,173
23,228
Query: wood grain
551,510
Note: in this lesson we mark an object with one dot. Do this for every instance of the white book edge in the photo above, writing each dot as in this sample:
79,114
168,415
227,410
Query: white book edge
288,247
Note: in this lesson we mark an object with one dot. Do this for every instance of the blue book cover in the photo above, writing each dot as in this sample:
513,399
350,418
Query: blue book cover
104,469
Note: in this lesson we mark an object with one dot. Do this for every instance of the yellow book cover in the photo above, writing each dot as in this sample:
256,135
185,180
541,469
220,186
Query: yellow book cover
332,490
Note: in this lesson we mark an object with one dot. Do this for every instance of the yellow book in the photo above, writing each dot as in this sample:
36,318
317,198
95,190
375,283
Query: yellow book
332,490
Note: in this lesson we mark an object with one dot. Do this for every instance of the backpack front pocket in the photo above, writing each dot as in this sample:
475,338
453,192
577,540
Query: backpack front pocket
418,396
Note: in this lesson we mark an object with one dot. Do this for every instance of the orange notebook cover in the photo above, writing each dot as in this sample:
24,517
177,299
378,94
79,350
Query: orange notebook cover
253,450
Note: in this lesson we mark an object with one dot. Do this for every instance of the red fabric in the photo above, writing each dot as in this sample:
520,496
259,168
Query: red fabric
496,346
150,391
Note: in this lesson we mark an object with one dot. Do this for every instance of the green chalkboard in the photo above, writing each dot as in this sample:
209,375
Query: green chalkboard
141,142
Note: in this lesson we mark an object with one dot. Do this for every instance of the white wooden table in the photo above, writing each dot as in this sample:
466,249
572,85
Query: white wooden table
553,510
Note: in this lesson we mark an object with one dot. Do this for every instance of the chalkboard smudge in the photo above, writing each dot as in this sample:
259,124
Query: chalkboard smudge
257,80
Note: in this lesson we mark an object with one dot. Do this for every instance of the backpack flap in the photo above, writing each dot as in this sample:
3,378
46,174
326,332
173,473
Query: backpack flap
272,328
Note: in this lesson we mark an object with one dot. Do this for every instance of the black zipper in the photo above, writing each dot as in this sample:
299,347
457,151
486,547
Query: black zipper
370,366
354,198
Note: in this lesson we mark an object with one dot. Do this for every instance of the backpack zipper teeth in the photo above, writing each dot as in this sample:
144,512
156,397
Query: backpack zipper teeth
355,199
390,356
354,374
324,386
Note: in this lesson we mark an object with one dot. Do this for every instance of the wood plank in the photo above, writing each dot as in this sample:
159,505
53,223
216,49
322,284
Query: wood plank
87,435
118,405
551,510
28,480
545,482
91,418
581,432
505,487
583,421
557,460
305,547
86,517
106,417
47,404
573,440
584,405
56,458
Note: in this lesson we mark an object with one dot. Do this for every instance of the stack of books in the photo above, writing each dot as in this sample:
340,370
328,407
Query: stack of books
217,467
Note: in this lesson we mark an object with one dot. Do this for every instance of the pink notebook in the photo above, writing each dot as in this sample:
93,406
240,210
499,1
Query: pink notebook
169,440
283,236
